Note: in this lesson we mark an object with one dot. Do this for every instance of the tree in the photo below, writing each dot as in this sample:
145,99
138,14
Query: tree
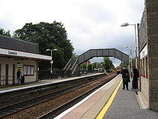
6,33
107,64
48,36
123,64
90,68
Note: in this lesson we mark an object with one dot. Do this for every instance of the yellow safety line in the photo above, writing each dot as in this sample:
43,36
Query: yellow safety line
106,107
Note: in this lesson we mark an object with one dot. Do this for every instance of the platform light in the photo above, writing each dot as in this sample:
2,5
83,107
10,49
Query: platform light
51,62
135,40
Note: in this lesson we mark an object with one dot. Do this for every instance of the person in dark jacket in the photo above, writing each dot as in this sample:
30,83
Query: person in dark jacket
125,77
19,76
135,78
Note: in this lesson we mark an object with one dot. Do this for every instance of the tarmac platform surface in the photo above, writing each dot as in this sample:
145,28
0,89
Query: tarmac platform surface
125,104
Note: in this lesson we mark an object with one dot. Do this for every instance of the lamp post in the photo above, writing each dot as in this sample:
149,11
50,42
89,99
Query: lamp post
51,62
130,57
135,27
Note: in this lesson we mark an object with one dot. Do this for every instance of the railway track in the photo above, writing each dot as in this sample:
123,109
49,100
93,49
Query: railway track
51,104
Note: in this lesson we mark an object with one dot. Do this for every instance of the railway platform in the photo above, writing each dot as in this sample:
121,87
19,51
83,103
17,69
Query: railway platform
40,82
108,102
111,102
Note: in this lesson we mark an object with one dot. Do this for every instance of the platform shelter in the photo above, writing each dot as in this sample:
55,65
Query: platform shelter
17,54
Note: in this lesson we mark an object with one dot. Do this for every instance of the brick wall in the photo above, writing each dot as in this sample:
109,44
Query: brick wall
149,35
143,39
152,25
143,31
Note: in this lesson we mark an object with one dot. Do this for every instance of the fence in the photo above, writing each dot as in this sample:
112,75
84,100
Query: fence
7,80
45,74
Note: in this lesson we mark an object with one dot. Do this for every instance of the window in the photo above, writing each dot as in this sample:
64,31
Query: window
144,67
28,70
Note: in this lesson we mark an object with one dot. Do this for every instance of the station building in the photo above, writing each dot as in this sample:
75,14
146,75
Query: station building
148,50
17,54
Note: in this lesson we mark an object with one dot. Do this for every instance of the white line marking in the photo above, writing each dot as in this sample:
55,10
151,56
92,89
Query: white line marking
73,107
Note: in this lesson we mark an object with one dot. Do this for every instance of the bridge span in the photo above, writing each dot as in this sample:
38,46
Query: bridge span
111,52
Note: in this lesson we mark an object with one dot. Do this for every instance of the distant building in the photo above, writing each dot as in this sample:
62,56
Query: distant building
18,54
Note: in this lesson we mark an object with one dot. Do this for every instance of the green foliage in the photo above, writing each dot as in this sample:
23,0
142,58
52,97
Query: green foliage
84,66
90,67
98,66
123,64
6,33
107,64
48,36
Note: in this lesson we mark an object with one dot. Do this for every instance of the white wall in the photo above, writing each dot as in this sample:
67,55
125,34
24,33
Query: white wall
14,61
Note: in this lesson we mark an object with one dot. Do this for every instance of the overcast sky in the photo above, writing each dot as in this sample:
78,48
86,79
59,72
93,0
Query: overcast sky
90,24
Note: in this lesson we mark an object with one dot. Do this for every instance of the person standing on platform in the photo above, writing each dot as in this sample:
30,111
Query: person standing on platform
135,78
19,76
125,77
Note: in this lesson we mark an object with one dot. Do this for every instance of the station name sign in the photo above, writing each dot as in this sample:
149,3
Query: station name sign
24,54
12,53
144,52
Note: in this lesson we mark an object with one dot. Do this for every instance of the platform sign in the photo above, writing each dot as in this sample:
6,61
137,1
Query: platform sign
144,52
19,65
15,53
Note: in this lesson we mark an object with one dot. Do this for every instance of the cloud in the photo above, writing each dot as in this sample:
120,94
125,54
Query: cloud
90,24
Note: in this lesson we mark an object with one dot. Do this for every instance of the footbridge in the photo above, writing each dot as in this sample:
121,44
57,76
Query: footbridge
112,52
